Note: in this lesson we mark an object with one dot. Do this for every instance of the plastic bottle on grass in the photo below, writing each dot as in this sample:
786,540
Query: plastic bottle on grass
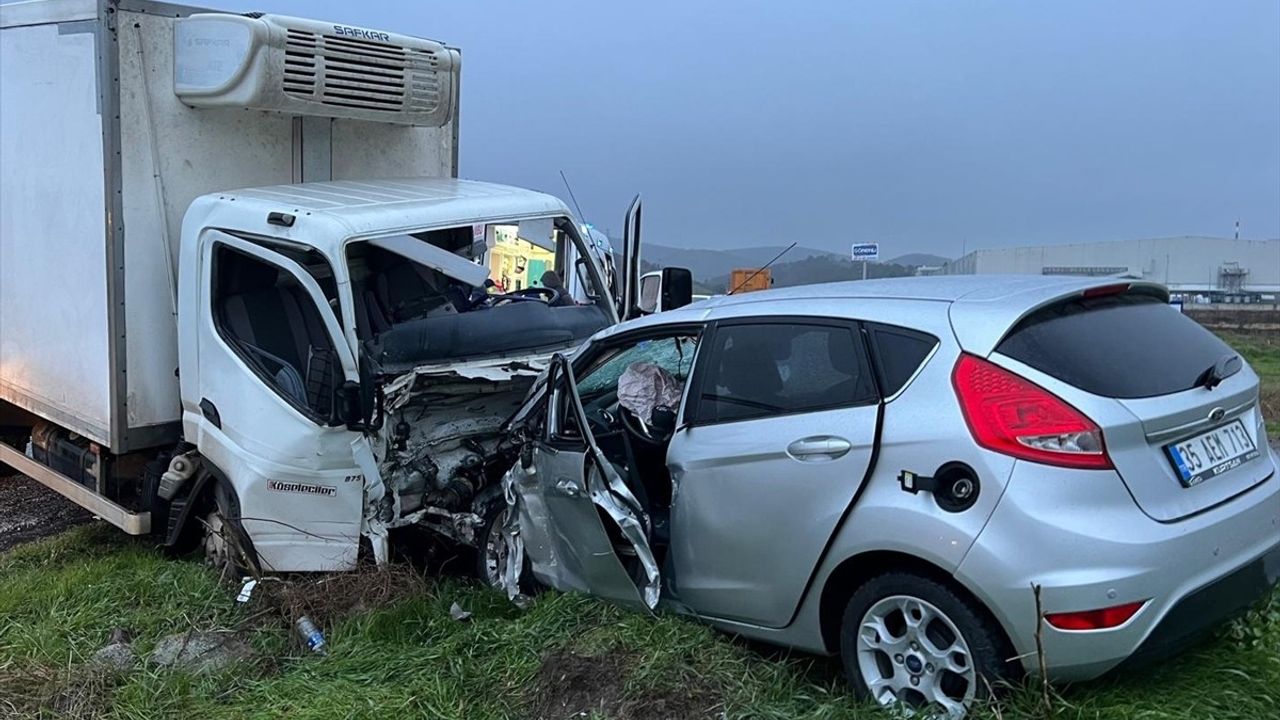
311,635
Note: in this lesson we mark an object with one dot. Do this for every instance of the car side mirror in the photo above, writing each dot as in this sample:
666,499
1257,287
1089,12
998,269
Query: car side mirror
677,287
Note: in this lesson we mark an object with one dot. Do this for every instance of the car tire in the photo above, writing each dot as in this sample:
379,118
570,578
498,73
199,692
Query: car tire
912,640
489,554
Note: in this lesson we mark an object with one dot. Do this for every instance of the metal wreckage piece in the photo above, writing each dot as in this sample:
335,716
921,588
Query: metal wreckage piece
607,491
431,460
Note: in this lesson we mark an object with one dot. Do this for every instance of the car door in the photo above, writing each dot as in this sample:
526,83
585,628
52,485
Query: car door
778,432
576,515
271,359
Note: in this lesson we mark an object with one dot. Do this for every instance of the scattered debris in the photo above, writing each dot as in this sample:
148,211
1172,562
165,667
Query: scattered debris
200,652
311,635
246,590
458,613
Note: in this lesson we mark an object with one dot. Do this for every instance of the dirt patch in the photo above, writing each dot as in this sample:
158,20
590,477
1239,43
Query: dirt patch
30,511
569,685
73,692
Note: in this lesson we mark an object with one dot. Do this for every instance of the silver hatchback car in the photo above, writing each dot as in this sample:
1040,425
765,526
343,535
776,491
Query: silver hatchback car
885,470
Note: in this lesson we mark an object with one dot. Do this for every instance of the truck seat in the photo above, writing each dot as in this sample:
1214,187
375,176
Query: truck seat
279,326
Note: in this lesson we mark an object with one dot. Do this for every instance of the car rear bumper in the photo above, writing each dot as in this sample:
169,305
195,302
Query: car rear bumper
1199,613
1080,537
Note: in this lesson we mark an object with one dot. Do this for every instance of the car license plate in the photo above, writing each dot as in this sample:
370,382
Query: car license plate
1211,453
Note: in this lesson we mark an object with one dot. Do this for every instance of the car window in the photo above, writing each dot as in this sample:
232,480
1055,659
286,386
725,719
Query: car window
759,370
899,352
673,354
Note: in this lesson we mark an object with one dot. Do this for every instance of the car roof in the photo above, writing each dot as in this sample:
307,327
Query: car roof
981,308
347,208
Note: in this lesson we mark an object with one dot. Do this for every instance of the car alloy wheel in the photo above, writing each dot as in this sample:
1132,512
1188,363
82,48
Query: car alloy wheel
910,653
494,551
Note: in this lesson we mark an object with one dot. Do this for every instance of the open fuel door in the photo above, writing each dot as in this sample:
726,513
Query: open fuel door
582,528
631,262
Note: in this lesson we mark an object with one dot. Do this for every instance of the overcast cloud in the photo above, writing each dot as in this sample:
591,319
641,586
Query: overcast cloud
921,125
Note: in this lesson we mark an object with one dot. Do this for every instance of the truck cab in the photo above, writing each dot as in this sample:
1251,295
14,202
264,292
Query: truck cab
347,341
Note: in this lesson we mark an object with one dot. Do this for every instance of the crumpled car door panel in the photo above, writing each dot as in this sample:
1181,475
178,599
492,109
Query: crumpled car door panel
563,498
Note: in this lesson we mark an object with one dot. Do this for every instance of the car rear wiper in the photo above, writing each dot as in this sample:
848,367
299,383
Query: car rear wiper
1226,366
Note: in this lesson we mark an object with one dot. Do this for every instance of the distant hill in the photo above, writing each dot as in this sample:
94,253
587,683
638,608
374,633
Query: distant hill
707,264
818,269
800,266
918,259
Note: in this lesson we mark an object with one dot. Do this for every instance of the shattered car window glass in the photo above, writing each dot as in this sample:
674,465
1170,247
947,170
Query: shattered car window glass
675,355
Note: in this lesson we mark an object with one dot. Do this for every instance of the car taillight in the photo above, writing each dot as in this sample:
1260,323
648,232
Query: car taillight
1102,619
1014,416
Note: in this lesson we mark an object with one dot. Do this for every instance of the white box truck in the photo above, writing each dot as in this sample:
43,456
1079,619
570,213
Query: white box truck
244,299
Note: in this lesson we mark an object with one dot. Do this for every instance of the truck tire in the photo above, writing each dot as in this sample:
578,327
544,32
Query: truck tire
227,547
907,639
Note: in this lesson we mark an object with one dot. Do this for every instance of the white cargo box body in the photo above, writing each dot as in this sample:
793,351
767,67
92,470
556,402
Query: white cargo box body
100,157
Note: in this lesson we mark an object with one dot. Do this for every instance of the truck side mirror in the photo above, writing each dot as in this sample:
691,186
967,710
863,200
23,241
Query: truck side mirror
349,406
677,287
651,293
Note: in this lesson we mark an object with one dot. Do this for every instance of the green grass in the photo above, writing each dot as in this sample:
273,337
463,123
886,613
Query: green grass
61,598
1262,351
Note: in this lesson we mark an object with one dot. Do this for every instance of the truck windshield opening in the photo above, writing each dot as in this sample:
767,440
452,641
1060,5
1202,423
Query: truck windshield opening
470,292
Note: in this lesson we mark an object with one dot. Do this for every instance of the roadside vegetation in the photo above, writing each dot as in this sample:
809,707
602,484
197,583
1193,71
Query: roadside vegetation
397,648
1262,350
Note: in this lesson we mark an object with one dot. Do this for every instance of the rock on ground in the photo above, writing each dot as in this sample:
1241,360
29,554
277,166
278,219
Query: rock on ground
117,656
200,652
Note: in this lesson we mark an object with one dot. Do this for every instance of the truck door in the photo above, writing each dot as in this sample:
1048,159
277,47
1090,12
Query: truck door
631,262
583,529
270,361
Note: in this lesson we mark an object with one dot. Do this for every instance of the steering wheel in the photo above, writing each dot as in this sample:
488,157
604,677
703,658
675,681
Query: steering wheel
643,431
550,296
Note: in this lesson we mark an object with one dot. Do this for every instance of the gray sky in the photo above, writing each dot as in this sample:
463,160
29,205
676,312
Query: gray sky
916,124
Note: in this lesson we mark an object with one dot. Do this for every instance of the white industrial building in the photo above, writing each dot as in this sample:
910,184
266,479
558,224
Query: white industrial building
1216,268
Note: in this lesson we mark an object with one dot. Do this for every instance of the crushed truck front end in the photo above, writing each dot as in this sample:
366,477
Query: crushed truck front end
434,305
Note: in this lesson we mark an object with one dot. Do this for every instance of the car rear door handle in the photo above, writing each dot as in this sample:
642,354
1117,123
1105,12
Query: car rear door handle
818,448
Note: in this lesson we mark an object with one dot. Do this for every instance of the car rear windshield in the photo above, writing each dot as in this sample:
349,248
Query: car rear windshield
1121,346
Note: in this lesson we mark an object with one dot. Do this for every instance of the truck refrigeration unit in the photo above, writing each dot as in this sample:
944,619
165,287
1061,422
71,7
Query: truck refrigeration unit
245,301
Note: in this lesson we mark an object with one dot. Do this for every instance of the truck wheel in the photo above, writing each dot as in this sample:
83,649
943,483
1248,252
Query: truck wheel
909,640
227,548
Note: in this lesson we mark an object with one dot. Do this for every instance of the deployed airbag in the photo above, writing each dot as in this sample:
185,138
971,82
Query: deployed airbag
643,386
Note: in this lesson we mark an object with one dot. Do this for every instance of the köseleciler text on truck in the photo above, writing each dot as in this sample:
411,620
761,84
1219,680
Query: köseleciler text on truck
243,294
